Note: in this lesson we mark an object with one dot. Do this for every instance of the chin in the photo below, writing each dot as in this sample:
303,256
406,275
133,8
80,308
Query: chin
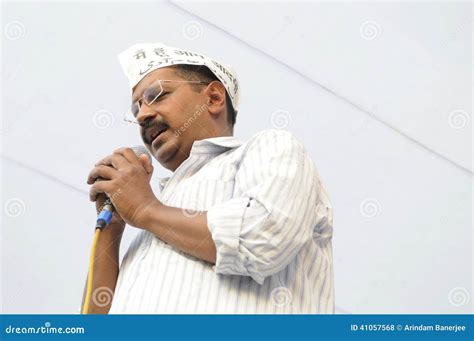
167,156
170,164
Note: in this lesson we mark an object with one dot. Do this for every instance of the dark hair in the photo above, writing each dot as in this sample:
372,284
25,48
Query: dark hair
202,73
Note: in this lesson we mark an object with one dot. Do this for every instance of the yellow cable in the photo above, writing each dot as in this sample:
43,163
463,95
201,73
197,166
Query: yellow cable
85,308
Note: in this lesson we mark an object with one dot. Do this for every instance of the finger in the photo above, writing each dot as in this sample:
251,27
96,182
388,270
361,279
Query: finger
146,163
100,201
128,154
101,171
99,187
115,160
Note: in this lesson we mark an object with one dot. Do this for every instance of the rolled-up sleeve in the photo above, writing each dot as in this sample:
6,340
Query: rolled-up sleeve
274,209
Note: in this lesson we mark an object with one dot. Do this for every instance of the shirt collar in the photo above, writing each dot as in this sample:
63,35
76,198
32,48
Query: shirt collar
212,145
215,145
162,182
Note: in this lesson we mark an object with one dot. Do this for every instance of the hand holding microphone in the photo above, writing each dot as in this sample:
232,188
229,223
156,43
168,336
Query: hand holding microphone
125,180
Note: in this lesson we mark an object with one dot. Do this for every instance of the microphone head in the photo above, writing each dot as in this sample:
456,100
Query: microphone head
140,150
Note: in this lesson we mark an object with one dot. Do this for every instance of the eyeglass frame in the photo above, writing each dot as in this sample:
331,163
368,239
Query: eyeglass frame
159,81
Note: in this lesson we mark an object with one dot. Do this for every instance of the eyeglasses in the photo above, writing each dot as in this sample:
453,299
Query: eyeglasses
152,95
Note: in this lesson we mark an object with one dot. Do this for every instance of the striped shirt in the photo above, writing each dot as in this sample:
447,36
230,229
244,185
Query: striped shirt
271,221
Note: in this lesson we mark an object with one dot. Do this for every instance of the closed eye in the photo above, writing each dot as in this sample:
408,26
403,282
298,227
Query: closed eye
151,97
161,96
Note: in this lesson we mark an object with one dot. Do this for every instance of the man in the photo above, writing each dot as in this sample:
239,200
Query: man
238,227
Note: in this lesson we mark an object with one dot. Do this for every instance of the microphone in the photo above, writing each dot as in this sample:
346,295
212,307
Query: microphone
105,215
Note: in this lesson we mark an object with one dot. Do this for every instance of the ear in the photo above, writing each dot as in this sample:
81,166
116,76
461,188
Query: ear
216,98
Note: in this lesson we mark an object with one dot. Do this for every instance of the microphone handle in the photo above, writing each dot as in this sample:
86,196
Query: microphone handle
105,216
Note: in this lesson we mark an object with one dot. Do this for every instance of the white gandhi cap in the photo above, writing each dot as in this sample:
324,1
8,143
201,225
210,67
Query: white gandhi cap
140,59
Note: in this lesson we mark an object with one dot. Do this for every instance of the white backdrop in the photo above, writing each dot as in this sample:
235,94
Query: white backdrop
381,95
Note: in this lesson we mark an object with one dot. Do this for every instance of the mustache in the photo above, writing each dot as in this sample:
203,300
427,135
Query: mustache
150,124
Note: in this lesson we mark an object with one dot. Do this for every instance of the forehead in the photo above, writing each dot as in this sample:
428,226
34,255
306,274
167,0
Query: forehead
162,73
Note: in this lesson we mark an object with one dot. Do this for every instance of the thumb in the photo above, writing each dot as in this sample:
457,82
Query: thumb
146,163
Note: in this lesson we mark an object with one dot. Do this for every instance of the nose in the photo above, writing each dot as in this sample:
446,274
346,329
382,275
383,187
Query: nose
145,113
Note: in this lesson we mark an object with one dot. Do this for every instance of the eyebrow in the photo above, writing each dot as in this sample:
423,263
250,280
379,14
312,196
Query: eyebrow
133,98
137,97
141,94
